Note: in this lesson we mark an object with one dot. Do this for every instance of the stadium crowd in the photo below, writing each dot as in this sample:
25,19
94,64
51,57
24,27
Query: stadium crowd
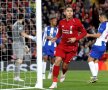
85,10
9,10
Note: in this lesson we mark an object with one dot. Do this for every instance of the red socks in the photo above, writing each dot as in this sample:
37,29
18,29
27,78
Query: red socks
55,73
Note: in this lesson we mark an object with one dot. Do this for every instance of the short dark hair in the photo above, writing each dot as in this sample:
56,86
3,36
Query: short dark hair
52,16
105,13
20,16
68,6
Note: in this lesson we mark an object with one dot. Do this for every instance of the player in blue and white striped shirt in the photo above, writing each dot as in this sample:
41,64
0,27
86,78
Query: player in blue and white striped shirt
99,46
48,46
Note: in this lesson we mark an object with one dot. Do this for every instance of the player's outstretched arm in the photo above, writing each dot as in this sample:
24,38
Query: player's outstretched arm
28,36
97,35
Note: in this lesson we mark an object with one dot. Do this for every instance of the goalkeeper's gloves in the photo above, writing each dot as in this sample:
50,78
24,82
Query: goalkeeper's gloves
33,38
26,48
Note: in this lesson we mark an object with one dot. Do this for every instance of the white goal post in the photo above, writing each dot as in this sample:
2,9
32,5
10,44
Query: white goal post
6,76
39,83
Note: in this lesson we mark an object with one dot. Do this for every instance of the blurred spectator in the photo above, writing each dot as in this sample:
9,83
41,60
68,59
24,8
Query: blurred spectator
33,50
86,52
80,55
104,5
7,17
33,6
86,12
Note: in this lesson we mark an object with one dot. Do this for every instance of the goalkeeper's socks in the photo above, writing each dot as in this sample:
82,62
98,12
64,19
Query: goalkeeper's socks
17,69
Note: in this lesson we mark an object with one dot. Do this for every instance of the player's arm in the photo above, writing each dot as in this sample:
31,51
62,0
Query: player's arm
82,32
97,35
28,36
101,28
22,33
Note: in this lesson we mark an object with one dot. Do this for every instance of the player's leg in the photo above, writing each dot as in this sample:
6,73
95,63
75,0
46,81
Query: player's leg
18,50
60,54
94,78
45,58
96,53
45,51
92,69
69,57
64,70
52,60
56,69
18,62
96,67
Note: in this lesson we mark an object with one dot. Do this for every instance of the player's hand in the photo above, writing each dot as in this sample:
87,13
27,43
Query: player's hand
26,48
71,40
54,39
88,35
34,38
49,37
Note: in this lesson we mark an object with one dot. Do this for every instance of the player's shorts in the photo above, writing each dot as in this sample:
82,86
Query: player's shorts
18,50
66,56
97,51
48,51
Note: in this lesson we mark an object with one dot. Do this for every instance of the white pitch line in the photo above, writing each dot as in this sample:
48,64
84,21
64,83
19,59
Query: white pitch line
12,84
25,87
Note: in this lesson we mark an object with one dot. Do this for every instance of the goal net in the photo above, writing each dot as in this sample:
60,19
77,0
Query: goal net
27,76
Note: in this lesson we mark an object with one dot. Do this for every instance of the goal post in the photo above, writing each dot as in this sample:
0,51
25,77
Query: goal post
31,68
39,83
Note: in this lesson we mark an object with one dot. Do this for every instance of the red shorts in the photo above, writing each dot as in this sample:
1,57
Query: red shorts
66,56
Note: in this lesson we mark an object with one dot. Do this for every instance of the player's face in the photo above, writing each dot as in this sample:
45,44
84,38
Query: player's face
69,13
54,22
101,18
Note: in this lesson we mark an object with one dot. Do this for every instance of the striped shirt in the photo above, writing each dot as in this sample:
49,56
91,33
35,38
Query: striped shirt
49,31
103,29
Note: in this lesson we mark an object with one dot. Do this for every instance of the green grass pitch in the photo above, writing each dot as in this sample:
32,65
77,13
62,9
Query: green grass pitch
75,80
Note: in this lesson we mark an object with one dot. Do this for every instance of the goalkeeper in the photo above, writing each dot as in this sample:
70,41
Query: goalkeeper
19,47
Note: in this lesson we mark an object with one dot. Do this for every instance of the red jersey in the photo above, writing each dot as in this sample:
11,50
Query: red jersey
72,28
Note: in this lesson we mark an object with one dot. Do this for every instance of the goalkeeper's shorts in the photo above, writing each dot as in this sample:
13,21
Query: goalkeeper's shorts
18,50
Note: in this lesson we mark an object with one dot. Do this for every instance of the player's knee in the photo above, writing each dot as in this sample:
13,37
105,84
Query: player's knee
96,61
45,58
58,61
90,59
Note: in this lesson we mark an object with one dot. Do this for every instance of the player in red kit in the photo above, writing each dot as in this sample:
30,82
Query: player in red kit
70,31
